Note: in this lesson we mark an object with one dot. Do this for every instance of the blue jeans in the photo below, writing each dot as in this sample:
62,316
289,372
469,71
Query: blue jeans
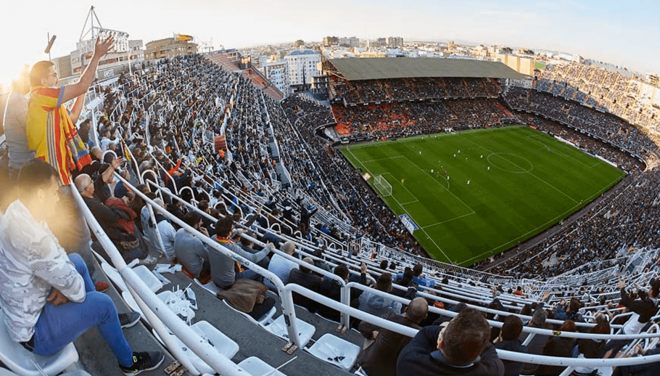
248,274
60,325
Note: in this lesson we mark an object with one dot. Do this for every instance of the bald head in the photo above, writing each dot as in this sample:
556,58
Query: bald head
309,261
417,309
97,152
84,185
289,247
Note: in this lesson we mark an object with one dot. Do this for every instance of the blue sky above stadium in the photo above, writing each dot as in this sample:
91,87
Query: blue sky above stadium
625,33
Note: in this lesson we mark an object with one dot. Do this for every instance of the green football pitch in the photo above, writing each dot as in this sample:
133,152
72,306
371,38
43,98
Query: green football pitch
501,187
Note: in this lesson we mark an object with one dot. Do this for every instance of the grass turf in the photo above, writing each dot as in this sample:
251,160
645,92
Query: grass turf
534,181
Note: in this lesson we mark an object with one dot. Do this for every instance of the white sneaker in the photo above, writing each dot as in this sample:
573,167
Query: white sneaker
149,260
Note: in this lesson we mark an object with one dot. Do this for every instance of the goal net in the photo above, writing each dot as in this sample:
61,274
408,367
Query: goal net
382,186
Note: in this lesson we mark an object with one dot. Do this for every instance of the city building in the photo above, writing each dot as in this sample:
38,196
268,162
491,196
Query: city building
278,74
524,65
349,42
167,47
63,66
330,41
112,64
302,65
394,42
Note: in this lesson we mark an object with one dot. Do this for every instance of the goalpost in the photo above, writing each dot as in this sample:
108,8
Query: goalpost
382,186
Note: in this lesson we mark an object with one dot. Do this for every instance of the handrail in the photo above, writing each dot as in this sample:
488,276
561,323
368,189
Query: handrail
503,354
438,298
194,341
494,323
287,305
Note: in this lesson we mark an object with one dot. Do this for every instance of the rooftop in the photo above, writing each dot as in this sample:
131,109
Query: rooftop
302,52
401,67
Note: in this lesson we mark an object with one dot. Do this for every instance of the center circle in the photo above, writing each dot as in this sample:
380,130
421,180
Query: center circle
510,162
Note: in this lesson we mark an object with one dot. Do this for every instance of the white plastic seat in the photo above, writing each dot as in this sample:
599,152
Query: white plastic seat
361,372
209,286
25,363
148,277
114,276
225,345
305,330
132,304
257,367
334,350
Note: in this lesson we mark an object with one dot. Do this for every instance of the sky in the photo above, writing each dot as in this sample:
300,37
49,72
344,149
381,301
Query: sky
625,33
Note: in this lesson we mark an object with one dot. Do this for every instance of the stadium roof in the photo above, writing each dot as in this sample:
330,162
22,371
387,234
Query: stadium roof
403,67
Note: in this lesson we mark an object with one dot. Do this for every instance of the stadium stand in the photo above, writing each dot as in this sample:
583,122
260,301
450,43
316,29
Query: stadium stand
206,140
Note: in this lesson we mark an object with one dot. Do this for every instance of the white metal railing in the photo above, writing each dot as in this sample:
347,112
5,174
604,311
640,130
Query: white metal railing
503,354
156,310
346,296
287,307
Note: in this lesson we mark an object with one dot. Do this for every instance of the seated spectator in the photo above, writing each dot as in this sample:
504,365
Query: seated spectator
248,246
224,270
377,304
191,252
418,280
537,343
572,313
304,277
332,289
508,340
50,298
104,183
166,230
591,348
404,279
117,222
461,348
107,137
91,169
320,263
206,222
558,346
383,264
120,189
519,291
380,357
281,266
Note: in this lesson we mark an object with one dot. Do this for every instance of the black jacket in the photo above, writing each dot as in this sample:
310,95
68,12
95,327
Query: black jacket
331,289
644,308
379,359
309,281
418,359
512,368
556,346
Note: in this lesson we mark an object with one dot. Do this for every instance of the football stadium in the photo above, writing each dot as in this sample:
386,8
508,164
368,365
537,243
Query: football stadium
457,203
393,214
